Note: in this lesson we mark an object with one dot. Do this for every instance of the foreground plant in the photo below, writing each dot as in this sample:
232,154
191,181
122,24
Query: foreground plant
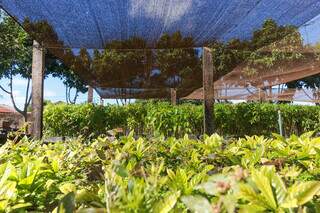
263,191
254,174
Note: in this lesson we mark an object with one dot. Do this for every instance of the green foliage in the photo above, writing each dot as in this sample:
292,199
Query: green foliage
160,118
161,175
15,51
16,60
270,45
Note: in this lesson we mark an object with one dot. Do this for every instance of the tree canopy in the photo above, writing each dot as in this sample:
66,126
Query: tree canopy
269,45
16,60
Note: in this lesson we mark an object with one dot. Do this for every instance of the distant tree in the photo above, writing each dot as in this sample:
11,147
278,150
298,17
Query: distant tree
69,78
122,65
311,82
269,44
16,60
179,62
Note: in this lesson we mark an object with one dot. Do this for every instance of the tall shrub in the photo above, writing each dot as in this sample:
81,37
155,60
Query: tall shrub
150,118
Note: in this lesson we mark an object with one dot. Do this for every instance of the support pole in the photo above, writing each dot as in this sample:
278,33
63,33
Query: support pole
208,91
38,66
260,97
173,96
101,101
90,94
280,123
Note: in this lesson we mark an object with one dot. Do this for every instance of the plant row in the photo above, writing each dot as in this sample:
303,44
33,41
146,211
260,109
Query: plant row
253,174
160,118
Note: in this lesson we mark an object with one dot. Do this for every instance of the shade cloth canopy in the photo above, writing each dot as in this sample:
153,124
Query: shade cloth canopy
87,34
277,94
251,82
93,23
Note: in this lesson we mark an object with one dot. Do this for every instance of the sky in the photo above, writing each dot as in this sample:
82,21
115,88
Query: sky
54,90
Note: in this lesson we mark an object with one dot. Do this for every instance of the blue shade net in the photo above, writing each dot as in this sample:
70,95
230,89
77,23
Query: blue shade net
93,23
79,30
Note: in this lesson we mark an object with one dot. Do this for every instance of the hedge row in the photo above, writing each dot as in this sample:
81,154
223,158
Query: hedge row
161,118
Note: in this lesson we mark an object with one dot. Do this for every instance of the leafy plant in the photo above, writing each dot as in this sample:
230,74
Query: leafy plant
161,174
160,118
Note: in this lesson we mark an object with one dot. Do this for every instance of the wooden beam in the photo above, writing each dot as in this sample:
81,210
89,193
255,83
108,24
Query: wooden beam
38,66
208,91
173,96
90,94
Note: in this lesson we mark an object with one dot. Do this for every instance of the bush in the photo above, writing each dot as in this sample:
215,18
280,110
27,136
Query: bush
153,118
86,119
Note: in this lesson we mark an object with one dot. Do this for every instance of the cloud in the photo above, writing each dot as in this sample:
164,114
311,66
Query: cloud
49,94
5,100
163,10
20,82
18,98
16,93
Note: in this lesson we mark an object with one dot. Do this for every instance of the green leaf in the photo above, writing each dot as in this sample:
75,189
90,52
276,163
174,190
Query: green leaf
290,203
67,204
7,171
49,184
21,206
307,135
304,192
197,204
8,190
165,205
84,196
229,203
4,205
251,209
279,137
55,165
28,180
121,171
255,156
280,188
67,188
93,210
263,183
248,193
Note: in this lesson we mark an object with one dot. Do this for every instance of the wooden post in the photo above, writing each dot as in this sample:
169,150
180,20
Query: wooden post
101,101
208,91
260,97
38,66
173,96
90,94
